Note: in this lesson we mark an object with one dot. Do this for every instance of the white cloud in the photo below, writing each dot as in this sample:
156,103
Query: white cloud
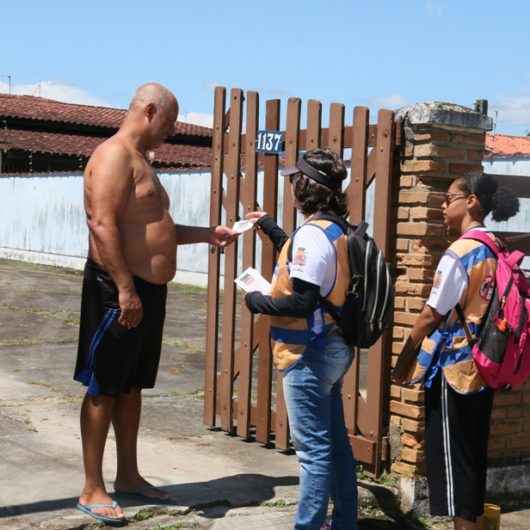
394,101
512,110
55,90
197,118
434,8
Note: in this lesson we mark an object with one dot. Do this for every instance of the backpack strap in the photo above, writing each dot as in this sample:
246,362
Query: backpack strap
470,339
480,235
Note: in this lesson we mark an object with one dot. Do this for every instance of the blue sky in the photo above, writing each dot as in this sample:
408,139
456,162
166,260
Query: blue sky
378,53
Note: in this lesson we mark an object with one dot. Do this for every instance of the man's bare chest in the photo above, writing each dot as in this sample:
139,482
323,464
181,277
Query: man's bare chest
147,194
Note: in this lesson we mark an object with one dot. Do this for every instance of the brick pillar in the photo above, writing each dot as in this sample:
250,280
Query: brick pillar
442,141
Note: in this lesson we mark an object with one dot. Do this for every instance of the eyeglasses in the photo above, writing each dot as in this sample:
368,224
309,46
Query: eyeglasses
449,198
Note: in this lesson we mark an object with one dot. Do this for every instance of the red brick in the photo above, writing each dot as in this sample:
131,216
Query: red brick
435,135
508,398
414,197
419,229
403,213
409,411
399,302
407,470
421,213
395,392
420,274
438,151
475,155
408,440
402,245
414,456
518,441
413,396
412,426
415,260
464,169
400,317
425,167
415,303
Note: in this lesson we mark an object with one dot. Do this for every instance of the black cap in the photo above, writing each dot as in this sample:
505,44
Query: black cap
313,173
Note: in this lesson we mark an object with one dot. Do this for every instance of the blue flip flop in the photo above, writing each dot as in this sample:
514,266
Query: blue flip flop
111,521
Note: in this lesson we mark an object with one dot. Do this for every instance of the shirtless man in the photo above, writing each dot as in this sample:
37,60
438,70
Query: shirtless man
132,256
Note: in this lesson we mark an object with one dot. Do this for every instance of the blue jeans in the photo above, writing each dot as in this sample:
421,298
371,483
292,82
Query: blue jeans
312,389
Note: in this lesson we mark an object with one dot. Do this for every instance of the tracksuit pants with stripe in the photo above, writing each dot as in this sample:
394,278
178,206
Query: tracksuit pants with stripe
456,442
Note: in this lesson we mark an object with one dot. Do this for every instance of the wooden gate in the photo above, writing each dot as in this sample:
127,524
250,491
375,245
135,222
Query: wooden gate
243,393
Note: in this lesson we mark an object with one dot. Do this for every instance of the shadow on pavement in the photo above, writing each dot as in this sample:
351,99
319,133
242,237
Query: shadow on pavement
225,493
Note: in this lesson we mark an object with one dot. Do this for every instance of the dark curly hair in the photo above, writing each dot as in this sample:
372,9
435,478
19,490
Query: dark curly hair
499,200
314,197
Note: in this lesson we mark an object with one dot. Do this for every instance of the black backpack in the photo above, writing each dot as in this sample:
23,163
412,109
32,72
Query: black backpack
369,306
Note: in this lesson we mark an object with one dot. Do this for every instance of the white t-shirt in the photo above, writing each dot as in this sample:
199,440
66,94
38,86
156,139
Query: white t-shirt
449,284
314,258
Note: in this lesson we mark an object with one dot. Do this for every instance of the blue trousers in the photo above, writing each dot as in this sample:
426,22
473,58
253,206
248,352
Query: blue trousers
312,389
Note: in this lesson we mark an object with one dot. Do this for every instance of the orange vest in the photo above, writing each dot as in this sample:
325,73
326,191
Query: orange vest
448,344
291,336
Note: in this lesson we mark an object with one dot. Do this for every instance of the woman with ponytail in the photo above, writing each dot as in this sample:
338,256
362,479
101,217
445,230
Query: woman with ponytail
437,353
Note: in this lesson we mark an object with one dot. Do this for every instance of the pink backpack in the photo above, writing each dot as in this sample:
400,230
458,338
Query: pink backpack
502,351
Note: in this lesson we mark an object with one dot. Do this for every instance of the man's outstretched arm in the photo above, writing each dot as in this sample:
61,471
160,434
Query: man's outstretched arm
219,236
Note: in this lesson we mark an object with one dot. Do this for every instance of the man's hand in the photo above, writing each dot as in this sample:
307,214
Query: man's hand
221,235
131,310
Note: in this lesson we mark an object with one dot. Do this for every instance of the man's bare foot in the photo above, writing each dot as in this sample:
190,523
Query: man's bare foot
100,496
139,486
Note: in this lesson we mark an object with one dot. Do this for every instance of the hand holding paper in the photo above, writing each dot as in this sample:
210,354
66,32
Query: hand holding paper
251,280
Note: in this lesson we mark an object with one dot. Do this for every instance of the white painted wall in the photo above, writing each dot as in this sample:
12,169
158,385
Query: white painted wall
42,219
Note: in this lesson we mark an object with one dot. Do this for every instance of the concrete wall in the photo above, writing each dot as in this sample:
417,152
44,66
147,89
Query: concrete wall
42,218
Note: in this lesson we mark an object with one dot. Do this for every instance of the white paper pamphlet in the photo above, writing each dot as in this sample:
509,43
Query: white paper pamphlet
251,280
242,226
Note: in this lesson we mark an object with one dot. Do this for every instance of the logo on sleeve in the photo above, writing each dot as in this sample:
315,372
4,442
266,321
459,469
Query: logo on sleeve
299,257
438,277
487,287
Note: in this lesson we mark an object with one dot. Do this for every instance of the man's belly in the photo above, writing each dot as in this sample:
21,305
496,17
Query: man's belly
151,250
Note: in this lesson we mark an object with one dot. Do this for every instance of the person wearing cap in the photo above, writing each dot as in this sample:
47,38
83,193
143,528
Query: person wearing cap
312,273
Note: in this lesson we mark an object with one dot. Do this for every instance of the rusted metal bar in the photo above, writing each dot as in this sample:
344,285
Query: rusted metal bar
230,272
248,197
212,314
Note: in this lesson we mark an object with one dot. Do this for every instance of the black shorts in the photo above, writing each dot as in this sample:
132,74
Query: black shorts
112,359
456,443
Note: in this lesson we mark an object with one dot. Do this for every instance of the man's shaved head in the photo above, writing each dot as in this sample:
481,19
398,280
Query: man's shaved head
153,110
156,94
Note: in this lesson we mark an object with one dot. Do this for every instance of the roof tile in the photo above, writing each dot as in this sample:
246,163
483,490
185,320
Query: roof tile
42,109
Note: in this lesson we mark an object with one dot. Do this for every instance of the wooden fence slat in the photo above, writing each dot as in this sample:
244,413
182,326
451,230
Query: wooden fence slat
356,206
230,272
270,205
248,192
383,187
212,314
336,128
281,429
314,124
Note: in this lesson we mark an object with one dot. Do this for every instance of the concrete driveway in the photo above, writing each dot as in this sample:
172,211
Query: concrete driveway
217,481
